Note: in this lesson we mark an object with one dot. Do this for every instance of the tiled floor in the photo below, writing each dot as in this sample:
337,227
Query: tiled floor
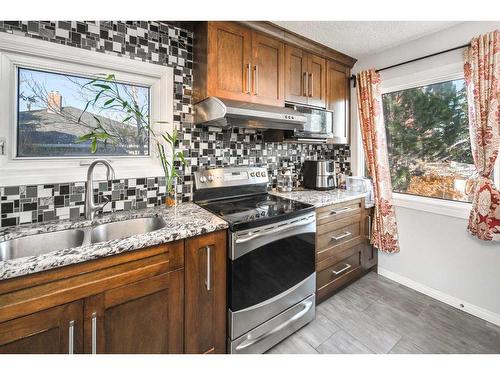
377,315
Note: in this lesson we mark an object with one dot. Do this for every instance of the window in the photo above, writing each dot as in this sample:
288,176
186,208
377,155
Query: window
44,79
51,117
428,140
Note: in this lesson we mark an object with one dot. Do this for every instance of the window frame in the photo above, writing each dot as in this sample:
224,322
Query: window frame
15,130
442,68
42,55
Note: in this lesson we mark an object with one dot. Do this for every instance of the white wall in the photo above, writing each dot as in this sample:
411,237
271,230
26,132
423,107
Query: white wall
438,256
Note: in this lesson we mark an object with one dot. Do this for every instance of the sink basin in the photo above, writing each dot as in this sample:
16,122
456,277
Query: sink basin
40,244
126,228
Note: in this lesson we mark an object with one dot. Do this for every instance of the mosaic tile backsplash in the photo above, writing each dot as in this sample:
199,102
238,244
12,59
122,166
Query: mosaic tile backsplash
39,203
157,43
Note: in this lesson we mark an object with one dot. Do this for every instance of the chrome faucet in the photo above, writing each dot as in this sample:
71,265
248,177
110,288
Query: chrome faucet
90,207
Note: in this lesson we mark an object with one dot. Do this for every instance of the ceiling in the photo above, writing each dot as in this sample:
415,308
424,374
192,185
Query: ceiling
362,38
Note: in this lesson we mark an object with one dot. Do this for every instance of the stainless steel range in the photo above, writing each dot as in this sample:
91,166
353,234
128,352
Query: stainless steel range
271,256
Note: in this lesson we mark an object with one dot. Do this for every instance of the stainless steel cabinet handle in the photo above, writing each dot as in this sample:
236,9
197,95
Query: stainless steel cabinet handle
305,83
306,306
94,333
256,80
347,266
369,227
311,81
71,337
249,78
340,210
343,235
209,260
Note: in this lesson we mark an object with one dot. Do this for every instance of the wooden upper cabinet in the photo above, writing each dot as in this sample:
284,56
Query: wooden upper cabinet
268,78
338,93
234,62
229,61
295,75
145,317
57,330
205,285
305,77
316,81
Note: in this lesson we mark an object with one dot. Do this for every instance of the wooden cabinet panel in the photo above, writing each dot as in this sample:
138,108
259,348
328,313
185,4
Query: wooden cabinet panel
229,61
205,282
57,330
295,75
334,277
316,81
338,211
343,252
144,317
305,77
370,253
268,59
338,94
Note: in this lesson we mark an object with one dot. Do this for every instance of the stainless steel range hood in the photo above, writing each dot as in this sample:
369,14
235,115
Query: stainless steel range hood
220,112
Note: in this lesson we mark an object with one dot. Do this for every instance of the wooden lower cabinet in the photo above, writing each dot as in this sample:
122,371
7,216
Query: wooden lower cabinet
145,317
343,251
205,283
126,304
58,330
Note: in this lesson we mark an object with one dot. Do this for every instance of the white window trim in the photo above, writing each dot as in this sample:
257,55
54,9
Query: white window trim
22,51
433,70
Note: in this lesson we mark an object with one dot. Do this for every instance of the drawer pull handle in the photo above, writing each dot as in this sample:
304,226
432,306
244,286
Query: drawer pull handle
369,228
71,337
347,266
343,235
340,210
209,259
94,333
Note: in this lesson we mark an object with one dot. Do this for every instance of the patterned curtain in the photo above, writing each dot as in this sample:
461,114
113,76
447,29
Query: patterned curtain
384,230
482,72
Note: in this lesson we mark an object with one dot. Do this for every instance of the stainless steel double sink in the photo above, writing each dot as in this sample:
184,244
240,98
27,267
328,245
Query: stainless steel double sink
42,243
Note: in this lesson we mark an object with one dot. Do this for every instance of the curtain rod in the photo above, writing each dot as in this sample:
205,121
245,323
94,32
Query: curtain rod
353,77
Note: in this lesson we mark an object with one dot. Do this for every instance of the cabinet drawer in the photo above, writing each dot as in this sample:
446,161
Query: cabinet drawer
337,235
338,211
334,277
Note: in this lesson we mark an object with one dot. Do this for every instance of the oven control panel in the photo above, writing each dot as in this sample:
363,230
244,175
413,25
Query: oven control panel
230,176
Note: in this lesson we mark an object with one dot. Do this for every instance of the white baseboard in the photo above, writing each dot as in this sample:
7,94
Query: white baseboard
443,297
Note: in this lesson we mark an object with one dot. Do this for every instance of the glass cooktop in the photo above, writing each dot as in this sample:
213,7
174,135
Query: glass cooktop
256,210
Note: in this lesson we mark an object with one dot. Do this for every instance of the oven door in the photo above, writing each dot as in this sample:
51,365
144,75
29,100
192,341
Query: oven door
271,268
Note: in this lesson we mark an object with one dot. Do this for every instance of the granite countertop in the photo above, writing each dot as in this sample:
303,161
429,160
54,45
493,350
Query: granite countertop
320,198
183,221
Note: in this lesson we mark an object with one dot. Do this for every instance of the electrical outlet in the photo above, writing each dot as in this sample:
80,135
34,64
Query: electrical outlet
3,145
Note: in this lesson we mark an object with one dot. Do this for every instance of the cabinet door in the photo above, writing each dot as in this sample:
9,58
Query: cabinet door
205,280
268,80
337,85
295,75
229,65
370,253
316,81
144,317
57,330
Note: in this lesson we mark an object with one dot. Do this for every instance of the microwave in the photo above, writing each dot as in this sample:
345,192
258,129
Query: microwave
318,126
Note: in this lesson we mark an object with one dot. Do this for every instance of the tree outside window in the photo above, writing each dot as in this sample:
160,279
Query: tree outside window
428,140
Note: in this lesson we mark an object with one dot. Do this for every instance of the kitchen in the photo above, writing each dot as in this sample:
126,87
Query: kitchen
233,206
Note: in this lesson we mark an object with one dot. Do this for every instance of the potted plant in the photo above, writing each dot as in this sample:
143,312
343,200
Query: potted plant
106,94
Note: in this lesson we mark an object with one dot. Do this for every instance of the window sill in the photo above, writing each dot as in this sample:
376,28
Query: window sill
459,210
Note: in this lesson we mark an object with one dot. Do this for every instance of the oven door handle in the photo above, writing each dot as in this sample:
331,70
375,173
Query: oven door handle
299,223
306,306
